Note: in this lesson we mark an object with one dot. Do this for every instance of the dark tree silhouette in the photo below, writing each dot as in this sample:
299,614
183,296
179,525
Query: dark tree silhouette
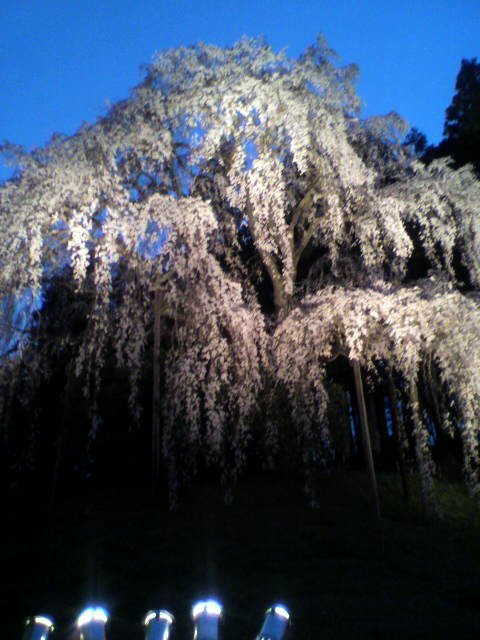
462,121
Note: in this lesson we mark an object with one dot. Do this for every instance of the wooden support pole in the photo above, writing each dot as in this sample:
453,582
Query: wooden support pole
367,445
156,392
62,434
373,424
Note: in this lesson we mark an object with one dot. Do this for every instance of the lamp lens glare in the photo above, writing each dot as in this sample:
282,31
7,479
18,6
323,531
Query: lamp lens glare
162,614
151,615
281,611
210,607
92,614
166,615
43,620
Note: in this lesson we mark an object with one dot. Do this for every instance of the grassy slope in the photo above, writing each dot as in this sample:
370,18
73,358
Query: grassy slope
340,572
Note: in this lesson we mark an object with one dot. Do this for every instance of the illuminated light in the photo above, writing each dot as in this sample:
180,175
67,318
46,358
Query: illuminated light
281,611
158,623
210,607
206,614
92,614
162,614
275,624
43,620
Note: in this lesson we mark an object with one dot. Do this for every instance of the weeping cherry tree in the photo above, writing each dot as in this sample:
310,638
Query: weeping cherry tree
236,213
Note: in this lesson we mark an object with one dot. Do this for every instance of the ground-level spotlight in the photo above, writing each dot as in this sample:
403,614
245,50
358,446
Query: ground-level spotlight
205,616
38,628
158,624
275,623
91,623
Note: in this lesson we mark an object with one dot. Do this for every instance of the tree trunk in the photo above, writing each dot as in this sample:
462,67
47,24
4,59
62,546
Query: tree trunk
156,392
423,455
367,445
400,436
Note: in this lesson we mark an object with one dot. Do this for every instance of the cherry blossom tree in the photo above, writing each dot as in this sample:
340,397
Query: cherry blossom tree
236,213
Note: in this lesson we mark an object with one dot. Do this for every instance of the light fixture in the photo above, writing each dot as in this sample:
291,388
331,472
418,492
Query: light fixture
275,623
205,614
91,623
38,628
158,624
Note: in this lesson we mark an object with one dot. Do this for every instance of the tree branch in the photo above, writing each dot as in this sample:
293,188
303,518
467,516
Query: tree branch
307,236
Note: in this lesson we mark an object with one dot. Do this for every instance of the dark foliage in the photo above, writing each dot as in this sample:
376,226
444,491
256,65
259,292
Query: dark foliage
462,122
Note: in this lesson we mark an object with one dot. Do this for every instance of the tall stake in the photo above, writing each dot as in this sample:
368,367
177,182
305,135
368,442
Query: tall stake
157,308
367,445
62,433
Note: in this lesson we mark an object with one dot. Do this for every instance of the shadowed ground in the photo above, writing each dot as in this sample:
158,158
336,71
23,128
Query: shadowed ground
341,573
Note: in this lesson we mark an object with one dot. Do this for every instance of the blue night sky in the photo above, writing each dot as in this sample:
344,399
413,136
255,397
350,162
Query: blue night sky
62,60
